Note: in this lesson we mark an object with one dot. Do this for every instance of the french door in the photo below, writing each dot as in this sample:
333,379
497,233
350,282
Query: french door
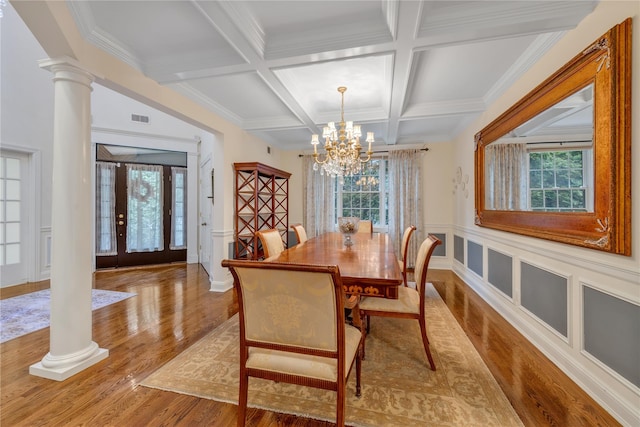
14,219
140,214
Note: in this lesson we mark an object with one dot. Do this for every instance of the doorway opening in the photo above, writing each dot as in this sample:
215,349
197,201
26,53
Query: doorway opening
141,206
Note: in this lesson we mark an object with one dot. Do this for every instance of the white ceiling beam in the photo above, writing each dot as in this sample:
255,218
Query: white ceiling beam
226,26
408,21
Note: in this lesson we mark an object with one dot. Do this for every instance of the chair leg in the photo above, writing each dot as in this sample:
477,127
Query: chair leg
365,331
425,342
340,404
242,399
358,371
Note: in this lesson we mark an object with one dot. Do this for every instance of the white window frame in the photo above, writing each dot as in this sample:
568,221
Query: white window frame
587,174
384,195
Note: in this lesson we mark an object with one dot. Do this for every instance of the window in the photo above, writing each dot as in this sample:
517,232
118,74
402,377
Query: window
560,181
365,195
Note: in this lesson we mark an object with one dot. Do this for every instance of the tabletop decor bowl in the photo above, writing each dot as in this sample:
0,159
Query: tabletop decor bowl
348,225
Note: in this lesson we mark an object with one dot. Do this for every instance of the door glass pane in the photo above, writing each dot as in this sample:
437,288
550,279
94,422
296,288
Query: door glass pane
12,191
144,208
179,208
12,232
12,253
12,168
106,209
13,212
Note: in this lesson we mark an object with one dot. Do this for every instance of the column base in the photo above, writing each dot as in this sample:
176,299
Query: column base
62,373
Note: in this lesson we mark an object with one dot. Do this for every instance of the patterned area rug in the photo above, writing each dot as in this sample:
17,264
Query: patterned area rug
398,388
30,312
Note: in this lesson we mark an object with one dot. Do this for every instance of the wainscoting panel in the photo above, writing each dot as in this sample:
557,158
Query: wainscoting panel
611,332
458,248
545,295
441,250
500,271
475,257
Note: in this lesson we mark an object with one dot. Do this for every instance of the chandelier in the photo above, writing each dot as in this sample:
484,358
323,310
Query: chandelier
342,147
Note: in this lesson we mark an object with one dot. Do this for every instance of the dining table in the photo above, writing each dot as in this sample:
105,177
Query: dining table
369,267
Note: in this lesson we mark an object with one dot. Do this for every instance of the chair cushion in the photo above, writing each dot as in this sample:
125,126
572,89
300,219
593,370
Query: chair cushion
323,368
408,302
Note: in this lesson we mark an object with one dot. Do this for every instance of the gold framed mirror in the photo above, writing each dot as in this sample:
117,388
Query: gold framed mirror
567,145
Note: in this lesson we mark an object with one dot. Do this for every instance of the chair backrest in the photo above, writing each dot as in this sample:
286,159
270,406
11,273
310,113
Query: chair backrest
365,226
406,238
301,233
404,250
271,242
422,264
290,307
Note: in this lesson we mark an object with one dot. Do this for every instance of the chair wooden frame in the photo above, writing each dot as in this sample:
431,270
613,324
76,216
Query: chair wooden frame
385,307
266,238
301,233
404,250
249,346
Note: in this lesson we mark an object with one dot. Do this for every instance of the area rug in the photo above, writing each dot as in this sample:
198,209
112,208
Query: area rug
30,312
398,388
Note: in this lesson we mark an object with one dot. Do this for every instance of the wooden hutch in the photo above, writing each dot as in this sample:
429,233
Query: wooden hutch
262,202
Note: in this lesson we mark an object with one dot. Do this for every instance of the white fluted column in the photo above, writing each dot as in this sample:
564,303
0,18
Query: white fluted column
71,347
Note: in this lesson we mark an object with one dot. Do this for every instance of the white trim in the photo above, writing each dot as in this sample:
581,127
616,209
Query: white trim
511,298
34,189
580,345
615,396
568,278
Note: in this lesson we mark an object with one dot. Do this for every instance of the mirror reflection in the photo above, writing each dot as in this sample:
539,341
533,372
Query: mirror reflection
545,164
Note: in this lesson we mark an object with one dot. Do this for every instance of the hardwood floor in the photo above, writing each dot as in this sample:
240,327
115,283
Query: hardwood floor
174,308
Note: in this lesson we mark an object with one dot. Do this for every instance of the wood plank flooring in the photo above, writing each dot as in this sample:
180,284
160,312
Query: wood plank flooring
174,308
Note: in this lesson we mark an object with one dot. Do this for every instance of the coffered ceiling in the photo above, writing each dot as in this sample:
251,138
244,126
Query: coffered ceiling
416,71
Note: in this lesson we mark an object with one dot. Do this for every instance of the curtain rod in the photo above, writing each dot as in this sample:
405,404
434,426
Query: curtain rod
383,151
559,142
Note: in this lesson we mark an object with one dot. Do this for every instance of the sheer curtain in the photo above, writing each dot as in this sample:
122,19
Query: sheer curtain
405,199
318,205
106,209
179,208
144,214
506,176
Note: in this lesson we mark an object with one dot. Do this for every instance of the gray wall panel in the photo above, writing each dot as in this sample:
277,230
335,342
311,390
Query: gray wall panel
441,250
458,248
545,295
500,271
611,332
474,257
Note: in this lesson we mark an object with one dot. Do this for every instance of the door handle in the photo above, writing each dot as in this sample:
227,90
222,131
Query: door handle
203,224
120,222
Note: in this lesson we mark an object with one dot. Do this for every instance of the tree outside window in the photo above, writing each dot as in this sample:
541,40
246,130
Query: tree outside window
558,181
365,195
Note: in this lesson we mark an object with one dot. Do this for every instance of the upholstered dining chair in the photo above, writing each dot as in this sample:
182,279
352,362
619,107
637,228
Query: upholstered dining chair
291,333
404,250
366,226
301,233
272,243
410,302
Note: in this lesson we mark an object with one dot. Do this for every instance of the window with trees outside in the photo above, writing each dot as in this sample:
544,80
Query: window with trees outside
560,181
365,195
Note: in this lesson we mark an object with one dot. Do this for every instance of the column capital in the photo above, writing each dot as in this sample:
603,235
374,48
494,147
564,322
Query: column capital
67,68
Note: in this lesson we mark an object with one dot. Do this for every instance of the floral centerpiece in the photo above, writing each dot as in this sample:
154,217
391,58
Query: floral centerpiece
348,225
